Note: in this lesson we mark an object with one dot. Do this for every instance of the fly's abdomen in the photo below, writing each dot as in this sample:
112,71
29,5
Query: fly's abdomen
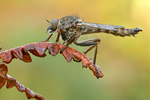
87,28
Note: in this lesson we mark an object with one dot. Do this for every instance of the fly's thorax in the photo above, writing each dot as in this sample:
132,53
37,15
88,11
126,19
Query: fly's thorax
69,33
68,27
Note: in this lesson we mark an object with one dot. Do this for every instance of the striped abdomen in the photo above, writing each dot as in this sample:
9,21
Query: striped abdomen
87,28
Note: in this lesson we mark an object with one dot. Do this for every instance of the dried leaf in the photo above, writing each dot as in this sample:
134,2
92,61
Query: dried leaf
3,69
20,87
29,93
67,54
39,49
96,71
2,82
6,56
54,49
11,83
39,97
18,52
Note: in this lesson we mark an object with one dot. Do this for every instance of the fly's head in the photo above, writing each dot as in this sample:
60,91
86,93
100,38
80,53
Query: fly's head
53,25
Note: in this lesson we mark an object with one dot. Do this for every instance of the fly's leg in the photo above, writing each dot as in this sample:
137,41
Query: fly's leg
49,37
67,44
93,42
84,53
57,39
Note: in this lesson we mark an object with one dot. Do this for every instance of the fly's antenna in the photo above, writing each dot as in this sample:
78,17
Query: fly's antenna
47,20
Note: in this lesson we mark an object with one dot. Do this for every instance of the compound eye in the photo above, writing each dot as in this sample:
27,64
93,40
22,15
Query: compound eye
54,24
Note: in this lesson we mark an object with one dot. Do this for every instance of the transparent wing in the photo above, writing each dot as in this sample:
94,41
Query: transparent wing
102,26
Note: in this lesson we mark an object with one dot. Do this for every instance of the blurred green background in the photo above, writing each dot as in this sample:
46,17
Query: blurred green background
125,62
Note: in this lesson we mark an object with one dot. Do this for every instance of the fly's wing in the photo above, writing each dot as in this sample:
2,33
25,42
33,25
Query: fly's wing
87,28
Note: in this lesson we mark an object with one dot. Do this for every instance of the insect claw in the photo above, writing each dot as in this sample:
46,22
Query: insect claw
133,35
61,50
135,31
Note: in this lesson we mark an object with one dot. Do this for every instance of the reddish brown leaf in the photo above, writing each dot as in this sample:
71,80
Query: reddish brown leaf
22,55
67,53
6,56
54,49
20,87
3,69
99,72
28,47
49,44
36,49
11,83
13,55
26,57
41,48
39,97
86,61
77,55
29,93
18,52
96,71
34,52
2,82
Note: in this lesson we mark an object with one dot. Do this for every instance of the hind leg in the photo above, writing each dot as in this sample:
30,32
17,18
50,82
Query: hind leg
93,43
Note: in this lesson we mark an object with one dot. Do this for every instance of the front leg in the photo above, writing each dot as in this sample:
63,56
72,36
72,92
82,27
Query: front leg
48,37
67,44
93,42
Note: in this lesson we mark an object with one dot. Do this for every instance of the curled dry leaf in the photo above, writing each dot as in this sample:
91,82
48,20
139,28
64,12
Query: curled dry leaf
3,71
39,49
11,82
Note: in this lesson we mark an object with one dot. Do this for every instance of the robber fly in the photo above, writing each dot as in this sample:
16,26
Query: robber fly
71,28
